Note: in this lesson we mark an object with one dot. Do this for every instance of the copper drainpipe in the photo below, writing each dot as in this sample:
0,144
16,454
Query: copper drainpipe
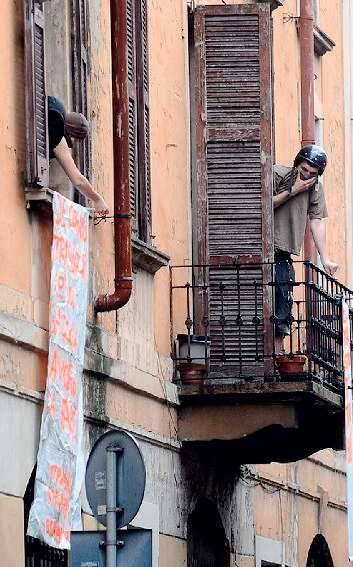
122,223
306,35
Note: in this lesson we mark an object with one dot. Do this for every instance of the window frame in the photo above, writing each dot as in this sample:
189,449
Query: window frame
37,184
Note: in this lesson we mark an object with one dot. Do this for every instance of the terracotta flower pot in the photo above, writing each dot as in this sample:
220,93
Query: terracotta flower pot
191,372
291,364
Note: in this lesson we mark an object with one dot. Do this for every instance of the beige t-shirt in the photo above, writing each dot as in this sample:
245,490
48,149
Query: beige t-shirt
290,218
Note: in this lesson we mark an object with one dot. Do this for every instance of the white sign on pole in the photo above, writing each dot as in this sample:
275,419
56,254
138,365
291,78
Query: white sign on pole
60,467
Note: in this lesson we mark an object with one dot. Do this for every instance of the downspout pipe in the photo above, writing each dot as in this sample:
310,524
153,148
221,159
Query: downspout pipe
122,218
307,58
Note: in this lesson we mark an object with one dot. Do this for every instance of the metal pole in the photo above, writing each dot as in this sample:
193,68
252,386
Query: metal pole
111,507
111,543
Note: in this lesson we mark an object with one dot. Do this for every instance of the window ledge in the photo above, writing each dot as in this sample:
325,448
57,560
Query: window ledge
322,42
40,199
148,257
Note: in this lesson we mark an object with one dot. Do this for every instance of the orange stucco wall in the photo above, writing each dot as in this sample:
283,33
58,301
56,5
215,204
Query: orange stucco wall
15,229
141,331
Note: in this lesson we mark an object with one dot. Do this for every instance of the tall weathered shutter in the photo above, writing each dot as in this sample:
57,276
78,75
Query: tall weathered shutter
133,27
125,160
143,199
132,110
80,72
232,199
35,96
143,133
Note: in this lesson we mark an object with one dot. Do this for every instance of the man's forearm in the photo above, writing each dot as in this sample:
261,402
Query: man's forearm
281,198
318,230
83,185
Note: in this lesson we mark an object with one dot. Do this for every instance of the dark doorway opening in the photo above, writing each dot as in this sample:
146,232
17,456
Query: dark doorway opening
207,543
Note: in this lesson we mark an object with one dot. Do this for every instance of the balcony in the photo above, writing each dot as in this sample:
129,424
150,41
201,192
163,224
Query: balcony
235,389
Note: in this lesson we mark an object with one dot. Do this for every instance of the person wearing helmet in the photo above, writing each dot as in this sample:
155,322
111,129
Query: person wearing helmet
298,194
63,128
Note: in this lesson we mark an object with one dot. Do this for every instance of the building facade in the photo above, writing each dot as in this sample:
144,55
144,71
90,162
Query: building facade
210,499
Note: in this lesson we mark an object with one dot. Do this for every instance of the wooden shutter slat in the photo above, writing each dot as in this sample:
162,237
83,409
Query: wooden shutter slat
133,162
130,20
143,133
132,112
234,195
146,111
83,30
36,98
232,228
40,91
145,45
80,72
148,204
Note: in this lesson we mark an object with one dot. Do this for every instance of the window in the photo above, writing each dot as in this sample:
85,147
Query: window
55,38
135,29
36,96
49,46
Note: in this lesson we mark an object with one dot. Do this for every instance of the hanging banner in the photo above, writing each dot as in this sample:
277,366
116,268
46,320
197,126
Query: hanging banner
347,365
60,466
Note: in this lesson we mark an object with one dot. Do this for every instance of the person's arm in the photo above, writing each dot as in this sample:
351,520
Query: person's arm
63,154
300,186
318,231
281,198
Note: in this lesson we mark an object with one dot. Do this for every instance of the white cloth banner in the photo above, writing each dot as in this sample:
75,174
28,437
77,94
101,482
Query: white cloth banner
60,466
347,365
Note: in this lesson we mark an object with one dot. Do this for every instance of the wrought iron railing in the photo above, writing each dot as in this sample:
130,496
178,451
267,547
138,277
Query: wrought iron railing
38,554
224,324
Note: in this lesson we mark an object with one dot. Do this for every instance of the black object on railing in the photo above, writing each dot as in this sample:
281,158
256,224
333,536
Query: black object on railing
224,308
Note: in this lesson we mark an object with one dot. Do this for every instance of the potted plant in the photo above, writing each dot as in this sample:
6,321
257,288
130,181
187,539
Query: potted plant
291,364
192,356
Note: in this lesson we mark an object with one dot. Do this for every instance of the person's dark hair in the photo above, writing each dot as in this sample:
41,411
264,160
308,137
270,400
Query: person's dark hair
314,155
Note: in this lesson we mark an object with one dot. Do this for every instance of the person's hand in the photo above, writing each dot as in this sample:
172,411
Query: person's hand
302,185
100,206
329,267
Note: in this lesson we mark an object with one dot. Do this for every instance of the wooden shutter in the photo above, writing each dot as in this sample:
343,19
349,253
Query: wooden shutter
80,73
134,27
232,200
132,113
36,96
143,125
